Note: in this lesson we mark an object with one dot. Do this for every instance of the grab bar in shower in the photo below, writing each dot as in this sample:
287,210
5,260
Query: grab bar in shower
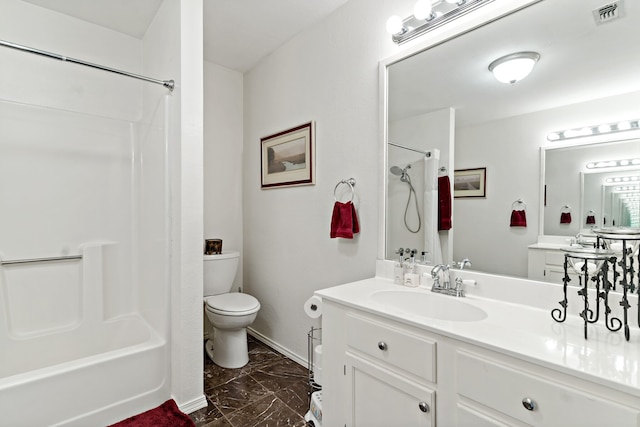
31,260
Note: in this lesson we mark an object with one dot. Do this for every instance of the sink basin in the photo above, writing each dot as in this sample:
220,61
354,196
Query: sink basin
427,304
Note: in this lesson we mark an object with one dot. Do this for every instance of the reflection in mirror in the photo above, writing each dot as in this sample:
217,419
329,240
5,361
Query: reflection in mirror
584,76
593,193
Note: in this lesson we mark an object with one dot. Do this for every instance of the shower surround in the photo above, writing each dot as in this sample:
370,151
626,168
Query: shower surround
85,175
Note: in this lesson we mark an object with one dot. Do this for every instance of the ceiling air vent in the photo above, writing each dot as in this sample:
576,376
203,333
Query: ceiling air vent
609,12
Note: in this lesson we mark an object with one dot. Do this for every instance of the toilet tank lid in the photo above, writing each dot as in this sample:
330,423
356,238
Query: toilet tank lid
224,255
232,302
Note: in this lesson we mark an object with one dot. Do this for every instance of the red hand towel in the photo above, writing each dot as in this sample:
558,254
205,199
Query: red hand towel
444,203
518,218
565,218
591,219
344,221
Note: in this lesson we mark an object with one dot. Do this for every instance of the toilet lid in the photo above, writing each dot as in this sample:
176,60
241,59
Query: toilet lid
232,303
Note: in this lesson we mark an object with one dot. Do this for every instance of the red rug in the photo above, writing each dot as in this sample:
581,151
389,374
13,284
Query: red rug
165,415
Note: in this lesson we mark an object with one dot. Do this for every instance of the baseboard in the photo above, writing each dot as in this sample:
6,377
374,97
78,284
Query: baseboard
193,405
268,341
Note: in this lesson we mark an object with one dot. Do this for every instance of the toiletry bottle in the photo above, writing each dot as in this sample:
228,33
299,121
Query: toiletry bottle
411,277
398,268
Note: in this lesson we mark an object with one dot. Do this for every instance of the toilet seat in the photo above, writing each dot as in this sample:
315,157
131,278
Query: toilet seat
232,304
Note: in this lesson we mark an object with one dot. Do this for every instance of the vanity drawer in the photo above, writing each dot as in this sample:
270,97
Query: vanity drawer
411,352
509,389
554,258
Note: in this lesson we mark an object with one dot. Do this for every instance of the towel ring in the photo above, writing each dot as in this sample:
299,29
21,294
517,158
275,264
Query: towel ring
566,209
350,182
518,203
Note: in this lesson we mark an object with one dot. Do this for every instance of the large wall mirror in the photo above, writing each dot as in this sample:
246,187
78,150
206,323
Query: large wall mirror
587,74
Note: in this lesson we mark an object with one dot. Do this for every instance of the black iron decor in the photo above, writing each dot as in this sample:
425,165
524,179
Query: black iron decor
610,264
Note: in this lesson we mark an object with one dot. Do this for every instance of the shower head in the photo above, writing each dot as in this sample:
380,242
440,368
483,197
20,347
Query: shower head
396,170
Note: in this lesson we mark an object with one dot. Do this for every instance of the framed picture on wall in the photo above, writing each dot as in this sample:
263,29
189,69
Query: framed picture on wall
470,183
288,157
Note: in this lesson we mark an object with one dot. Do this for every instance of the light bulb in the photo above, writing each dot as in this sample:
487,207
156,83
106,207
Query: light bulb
624,126
604,128
422,9
394,25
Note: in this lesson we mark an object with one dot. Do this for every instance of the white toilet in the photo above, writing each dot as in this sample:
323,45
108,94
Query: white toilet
229,313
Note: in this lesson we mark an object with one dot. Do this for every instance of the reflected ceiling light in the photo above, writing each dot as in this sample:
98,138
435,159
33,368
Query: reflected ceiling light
627,188
514,67
427,15
603,129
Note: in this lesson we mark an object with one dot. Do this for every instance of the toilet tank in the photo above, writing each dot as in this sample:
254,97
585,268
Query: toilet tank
219,272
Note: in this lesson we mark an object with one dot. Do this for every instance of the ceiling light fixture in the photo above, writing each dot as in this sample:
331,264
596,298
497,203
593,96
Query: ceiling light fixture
603,129
427,15
514,67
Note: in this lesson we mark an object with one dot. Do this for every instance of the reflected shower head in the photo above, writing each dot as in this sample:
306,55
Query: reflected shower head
402,173
396,170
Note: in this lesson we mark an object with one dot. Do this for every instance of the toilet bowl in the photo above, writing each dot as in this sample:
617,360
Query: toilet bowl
229,312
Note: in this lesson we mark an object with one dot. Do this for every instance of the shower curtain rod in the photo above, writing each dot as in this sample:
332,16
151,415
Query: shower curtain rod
426,153
169,84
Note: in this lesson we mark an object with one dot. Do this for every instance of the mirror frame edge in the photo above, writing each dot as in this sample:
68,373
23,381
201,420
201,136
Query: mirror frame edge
483,16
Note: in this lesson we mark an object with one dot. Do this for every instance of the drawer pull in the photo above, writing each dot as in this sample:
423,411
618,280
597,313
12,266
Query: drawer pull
382,345
529,404
423,407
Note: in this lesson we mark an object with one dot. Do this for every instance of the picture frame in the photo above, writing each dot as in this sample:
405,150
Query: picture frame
470,183
287,158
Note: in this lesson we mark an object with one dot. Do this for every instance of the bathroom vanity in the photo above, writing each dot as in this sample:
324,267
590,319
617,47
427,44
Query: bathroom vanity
398,356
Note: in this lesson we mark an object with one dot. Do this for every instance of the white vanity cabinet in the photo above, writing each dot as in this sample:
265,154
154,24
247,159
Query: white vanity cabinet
379,373
547,265
493,390
387,373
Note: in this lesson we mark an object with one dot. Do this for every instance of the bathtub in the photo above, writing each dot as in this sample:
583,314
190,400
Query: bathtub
83,377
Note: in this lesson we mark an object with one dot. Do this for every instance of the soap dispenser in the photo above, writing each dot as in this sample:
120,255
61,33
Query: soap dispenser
398,268
411,277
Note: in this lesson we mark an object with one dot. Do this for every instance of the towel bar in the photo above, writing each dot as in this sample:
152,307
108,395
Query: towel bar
31,260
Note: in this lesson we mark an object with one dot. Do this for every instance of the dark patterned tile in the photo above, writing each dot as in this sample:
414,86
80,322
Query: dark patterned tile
295,396
267,412
236,394
280,375
204,417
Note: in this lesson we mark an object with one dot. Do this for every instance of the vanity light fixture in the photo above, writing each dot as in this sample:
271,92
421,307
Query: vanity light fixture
626,189
620,179
427,15
514,67
613,163
603,129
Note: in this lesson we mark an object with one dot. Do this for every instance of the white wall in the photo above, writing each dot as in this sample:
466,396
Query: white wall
327,73
177,53
223,120
510,150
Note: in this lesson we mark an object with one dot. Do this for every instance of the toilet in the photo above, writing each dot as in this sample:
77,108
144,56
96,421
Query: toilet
229,312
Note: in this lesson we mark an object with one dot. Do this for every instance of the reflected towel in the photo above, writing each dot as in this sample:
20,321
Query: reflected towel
565,218
518,218
591,219
444,203
344,221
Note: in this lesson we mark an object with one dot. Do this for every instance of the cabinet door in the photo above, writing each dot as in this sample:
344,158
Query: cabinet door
380,398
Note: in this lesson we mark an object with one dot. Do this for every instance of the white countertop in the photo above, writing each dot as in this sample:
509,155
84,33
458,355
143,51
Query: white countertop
522,331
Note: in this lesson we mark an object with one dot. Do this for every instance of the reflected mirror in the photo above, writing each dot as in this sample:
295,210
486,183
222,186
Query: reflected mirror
445,98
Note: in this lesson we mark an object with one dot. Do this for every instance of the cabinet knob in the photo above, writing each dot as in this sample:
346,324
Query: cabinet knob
382,345
423,407
529,404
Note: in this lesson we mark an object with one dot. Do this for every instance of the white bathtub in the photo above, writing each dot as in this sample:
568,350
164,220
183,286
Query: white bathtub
84,377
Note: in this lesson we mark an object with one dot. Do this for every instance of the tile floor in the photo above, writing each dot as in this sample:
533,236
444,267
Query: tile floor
271,390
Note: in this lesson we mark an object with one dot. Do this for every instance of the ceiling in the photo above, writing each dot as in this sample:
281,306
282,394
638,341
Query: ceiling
237,33
579,61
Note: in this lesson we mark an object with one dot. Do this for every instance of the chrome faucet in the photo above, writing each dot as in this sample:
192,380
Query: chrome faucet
462,264
445,287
